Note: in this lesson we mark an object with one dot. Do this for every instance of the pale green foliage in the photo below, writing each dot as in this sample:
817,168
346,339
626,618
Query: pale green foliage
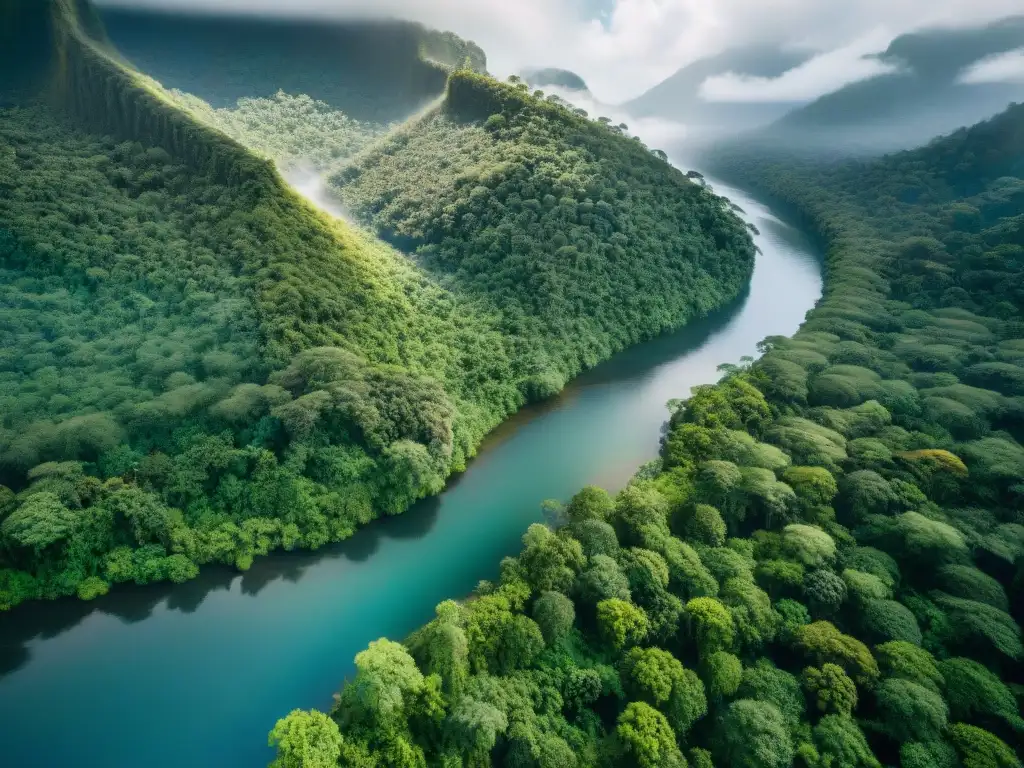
831,690
647,738
39,522
621,623
909,662
306,740
655,676
910,712
808,544
386,677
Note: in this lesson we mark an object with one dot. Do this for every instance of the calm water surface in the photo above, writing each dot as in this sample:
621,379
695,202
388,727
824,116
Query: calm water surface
196,675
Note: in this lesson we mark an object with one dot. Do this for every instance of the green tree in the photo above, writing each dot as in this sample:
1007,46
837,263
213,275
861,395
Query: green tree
647,739
711,625
306,740
841,742
555,615
722,673
823,643
830,689
900,659
41,521
550,562
976,694
655,676
753,734
590,503
910,712
980,749
621,624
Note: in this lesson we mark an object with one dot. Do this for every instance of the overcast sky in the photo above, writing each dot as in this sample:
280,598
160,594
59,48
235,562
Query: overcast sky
623,47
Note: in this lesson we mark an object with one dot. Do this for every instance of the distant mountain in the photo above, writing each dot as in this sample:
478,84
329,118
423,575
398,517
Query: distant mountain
551,76
678,97
372,70
922,99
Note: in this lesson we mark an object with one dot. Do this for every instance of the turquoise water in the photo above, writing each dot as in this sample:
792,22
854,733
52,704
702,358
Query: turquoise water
196,675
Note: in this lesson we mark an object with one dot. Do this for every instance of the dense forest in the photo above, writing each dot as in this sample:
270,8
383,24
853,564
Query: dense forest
545,215
826,566
198,367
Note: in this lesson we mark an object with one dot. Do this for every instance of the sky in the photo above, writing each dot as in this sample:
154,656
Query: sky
623,47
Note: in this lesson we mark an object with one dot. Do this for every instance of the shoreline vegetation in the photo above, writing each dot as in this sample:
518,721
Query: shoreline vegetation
200,367
826,566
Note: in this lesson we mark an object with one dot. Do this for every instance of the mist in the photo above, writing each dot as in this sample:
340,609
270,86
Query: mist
624,47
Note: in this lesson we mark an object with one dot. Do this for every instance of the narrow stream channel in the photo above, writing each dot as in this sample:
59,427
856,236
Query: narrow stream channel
196,675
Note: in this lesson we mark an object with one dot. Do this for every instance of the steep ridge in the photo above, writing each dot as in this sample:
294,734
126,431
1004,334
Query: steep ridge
372,70
200,367
826,566
581,238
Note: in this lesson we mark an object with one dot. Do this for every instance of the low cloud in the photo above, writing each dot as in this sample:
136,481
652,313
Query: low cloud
816,77
623,47
1002,68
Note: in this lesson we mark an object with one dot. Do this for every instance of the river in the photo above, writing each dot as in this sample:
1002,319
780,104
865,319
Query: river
196,675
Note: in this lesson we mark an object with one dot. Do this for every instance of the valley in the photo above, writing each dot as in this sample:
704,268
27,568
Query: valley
333,363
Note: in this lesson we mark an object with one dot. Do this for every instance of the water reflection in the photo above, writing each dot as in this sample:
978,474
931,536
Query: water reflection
132,603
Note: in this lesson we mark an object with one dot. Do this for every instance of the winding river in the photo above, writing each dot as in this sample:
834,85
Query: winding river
196,675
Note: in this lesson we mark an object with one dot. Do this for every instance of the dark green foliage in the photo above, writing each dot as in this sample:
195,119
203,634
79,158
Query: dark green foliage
605,244
980,749
910,712
840,742
869,467
885,620
555,615
975,694
753,734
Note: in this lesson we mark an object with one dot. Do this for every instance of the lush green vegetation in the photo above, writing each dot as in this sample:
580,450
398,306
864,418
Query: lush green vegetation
826,568
198,367
291,130
570,231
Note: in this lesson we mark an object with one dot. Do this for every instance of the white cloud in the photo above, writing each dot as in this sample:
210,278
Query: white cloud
817,76
639,42
1002,68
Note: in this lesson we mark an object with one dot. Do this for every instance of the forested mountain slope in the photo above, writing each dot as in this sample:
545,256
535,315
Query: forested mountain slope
827,567
199,367
573,232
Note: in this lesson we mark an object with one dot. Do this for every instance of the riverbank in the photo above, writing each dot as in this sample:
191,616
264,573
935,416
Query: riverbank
284,634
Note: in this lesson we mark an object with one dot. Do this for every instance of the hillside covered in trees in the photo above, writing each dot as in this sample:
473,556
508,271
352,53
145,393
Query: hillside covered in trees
826,566
198,367
567,228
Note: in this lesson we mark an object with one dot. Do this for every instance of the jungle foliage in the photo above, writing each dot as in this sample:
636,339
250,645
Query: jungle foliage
828,568
570,231
197,367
